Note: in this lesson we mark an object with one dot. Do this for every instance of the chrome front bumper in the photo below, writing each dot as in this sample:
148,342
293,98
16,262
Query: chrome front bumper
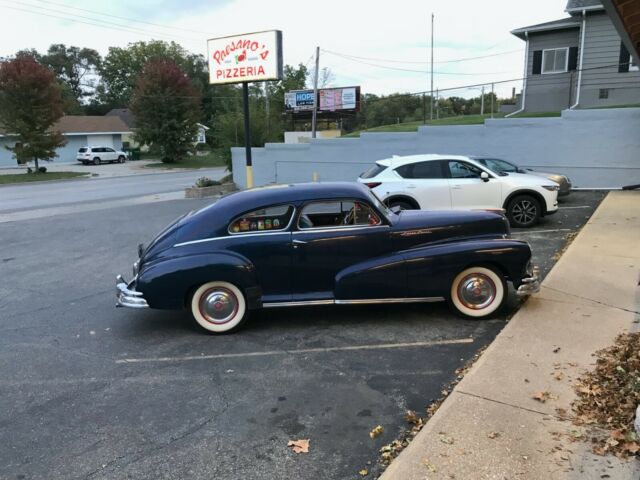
530,284
128,298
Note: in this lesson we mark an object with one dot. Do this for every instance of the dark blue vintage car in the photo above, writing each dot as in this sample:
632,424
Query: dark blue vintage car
325,243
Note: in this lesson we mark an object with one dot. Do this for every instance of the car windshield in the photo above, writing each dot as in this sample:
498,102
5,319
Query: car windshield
501,167
373,171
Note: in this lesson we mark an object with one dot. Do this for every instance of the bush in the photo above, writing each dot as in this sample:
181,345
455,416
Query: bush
42,169
29,170
206,182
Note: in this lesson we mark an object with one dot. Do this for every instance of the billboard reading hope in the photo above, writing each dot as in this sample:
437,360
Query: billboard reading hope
250,57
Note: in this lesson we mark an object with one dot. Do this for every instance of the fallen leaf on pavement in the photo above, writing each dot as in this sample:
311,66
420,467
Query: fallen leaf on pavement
299,446
377,431
429,465
446,439
556,350
558,376
493,435
364,472
541,396
411,417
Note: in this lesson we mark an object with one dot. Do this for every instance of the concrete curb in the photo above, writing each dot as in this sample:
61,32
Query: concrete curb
499,430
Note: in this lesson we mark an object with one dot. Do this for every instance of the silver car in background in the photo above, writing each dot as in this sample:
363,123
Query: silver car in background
502,166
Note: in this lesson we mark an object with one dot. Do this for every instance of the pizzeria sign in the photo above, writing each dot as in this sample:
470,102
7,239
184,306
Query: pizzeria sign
250,57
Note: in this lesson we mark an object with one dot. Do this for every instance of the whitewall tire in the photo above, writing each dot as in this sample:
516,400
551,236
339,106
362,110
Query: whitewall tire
478,292
219,307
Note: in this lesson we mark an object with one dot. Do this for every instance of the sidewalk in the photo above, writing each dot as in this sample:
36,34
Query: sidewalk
499,431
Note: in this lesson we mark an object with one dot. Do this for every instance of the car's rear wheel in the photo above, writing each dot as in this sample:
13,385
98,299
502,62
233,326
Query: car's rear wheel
96,161
478,292
524,211
121,159
219,307
401,204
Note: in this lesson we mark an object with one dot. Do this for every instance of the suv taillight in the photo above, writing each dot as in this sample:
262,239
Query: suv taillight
373,184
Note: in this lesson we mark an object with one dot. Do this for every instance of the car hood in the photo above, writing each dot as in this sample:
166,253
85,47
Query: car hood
420,226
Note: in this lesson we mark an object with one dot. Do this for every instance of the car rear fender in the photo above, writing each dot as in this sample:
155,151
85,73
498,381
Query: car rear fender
168,282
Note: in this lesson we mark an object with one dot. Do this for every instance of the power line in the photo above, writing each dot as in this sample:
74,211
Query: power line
94,22
458,60
123,18
407,69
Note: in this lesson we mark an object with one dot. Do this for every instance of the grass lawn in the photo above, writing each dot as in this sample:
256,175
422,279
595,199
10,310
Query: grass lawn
38,177
211,159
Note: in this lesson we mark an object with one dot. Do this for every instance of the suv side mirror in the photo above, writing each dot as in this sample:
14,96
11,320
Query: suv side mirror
484,176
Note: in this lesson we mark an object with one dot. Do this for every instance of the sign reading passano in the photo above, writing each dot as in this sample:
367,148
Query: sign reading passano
251,57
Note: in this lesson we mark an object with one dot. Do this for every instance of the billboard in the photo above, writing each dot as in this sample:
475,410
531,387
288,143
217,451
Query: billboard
250,57
298,100
332,99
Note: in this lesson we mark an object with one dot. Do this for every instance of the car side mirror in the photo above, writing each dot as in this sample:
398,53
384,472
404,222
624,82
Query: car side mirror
484,176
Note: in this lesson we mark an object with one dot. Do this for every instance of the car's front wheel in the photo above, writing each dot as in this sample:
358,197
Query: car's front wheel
478,292
219,307
121,159
524,211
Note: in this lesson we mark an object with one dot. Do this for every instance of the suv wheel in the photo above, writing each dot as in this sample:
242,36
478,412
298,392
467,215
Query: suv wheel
524,211
121,159
96,161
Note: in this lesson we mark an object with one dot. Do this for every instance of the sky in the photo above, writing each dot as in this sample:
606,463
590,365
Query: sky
382,46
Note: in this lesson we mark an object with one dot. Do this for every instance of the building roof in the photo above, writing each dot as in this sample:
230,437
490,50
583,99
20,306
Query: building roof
125,115
561,24
87,124
576,6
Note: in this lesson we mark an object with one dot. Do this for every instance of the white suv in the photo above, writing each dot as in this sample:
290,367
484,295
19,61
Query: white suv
433,182
98,155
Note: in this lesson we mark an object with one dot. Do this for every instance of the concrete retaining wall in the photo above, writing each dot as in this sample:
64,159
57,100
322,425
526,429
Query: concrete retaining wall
596,148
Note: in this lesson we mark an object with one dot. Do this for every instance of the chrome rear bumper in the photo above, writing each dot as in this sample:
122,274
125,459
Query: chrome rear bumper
128,298
530,284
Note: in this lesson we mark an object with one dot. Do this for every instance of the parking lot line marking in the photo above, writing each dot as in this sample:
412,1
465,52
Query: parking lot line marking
530,232
381,346
576,206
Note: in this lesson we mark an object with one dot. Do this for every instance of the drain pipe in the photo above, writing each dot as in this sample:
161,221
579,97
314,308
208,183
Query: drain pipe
524,82
579,85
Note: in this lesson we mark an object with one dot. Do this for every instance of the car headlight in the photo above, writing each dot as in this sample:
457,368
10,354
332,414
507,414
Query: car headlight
136,268
551,188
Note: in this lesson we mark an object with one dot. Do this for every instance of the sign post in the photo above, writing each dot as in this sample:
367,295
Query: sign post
250,57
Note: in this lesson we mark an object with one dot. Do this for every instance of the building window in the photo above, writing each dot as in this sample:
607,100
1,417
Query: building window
555,60
603,94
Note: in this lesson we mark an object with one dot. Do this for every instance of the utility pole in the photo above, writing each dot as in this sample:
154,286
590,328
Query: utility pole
482,102
431,66
492,95
315,94
266,106
247,134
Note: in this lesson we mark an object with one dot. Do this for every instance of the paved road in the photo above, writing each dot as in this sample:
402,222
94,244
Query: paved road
74,405
46,194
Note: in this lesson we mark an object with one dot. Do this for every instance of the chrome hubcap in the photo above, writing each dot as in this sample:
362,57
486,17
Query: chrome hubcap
218,305
476,291
524,212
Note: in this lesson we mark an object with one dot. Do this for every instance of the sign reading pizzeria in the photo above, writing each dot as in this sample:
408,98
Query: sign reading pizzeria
250,57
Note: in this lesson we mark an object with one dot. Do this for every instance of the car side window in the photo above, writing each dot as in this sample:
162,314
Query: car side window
463,170
336,214
271,218
431,169
110,150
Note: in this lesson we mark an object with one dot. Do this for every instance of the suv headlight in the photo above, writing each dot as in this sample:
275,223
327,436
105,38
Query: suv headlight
551,188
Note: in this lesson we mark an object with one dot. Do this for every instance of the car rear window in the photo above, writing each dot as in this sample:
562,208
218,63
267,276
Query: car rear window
373,171
82,150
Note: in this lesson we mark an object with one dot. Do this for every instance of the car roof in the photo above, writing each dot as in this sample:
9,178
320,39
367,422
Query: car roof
398,161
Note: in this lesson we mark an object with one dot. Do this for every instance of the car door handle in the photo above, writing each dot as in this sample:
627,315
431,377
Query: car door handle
298,242
457,187
411,186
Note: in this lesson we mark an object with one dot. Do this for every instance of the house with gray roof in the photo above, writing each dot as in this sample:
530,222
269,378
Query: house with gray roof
79,131
578,61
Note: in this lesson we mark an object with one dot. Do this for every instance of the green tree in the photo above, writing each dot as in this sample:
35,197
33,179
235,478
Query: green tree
121,68
75,67
167,109
30,103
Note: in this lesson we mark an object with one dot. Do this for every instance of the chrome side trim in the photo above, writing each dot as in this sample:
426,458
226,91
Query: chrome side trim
391,300
297,304
353,302
338,229
237,235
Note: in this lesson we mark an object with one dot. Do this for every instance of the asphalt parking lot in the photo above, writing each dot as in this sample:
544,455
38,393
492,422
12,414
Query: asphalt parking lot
89,391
